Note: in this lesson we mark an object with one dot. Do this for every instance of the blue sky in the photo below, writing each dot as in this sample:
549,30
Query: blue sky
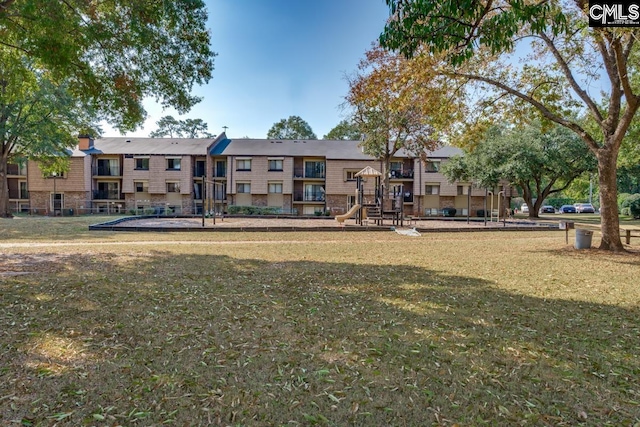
278,58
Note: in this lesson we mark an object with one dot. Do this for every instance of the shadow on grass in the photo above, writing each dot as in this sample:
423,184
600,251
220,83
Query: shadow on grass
199,340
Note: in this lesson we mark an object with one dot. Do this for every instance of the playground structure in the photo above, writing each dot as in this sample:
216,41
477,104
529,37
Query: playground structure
369,209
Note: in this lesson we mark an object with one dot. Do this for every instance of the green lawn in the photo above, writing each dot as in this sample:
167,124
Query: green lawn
139,329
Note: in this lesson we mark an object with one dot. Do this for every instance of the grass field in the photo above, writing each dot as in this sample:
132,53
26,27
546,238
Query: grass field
188,329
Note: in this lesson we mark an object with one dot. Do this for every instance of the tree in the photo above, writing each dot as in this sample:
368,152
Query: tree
98,58
38,119
292,128
173,128
477,45
345,130
392,112
541,162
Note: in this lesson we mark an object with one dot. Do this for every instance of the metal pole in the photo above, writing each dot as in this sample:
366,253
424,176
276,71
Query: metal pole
485,206
55,175
468,202
204,192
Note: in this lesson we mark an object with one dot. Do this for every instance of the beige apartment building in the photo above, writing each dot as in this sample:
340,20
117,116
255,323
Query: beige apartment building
174,176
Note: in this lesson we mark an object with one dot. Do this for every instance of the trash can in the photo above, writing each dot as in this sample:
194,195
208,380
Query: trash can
583,238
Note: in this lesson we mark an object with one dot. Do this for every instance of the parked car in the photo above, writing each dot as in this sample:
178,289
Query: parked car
547,209
585,208
524,208
567,209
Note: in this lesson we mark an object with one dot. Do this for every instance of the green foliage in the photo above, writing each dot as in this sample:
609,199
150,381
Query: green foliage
292,128
345,130
460,27
630,205
115,54
253,210
539,162
174,128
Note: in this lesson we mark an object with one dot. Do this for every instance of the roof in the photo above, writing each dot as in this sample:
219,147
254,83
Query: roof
148,146
369,171
224,146
330,149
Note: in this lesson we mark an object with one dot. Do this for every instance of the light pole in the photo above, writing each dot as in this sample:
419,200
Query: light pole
55,175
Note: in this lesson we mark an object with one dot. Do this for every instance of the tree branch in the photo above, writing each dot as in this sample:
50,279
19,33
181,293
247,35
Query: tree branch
588,139
570,77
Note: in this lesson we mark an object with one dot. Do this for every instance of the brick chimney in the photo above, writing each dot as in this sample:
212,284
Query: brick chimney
85,142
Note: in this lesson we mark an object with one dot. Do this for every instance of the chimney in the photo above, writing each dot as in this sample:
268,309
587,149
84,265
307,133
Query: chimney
85,142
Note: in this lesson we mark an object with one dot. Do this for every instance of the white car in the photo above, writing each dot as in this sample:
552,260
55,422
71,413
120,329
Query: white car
524,208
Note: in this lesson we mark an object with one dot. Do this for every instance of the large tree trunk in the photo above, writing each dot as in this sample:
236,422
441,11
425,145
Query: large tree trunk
5,212
609,220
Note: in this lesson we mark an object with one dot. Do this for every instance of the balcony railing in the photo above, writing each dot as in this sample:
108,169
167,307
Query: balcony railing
106,171
309,196
302,173
399,174
107,195
13,169
18,194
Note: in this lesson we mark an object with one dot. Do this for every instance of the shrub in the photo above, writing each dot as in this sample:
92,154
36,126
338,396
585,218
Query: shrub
253,210
449,212
631,206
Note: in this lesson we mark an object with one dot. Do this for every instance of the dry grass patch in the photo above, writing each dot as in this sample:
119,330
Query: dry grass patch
322,329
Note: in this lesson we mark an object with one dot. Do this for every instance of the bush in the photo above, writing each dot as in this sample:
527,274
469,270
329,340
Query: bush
253,210
631,205
449,212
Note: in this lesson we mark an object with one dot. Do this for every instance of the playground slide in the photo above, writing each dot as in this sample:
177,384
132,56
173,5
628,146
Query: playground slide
355,208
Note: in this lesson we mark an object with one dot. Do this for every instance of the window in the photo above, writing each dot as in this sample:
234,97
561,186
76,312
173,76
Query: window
313,193
243,164
173,187
463,190
243,187
275,165
24,193
199,168
275,187
314,170
108,167
197,190
142,163
221,169
140,188
395,169
432,190
173,164
432,166
350,175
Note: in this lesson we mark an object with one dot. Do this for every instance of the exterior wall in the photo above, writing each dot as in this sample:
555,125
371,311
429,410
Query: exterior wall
258,199
75,179
337,203
77,200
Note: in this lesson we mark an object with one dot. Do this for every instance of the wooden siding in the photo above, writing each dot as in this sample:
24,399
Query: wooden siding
158,175
78,178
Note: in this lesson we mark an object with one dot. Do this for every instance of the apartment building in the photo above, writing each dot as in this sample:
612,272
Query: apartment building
180,176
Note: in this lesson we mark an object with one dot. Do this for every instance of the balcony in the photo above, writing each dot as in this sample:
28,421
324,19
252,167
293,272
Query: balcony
309,173
106,171
401,174
13,169
107,195
309,196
